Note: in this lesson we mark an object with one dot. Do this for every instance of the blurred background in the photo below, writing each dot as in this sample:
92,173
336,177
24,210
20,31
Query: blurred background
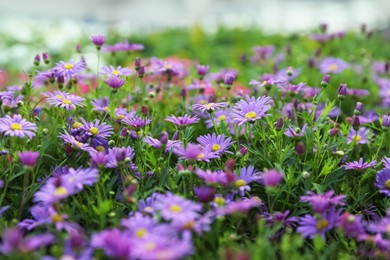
57,23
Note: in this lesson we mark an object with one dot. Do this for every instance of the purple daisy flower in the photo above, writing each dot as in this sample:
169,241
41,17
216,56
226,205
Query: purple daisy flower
210,177
115,82
64,100
209,107
217,144
95,129
266,82
68,69
239,206
295,132
123,46
262,53
271,178
194,152
136,122
383,181
250,110
290,88
155,143
69,139
115,243
332,65
28,158
16,126
351,224
322,202
102,104
246,176
219,117
359,165
360,136
182,121
309,226
119,154
111,71
386,162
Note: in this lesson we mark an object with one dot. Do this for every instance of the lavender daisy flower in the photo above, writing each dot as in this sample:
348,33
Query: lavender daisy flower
217,144
102,104
28,158
210,177
148,205
332,65
262,53
194,152
352,225
16,126
115,243
291,89
239,206
271,178
115,82
250,110
182,121
246,176
295,132
68,69
359,165
155,143
309,226
209,107
386,162
123,46
69,139
267,82
383,181
360,136
220,116
136,122
111,71
95,129
64,100
322,202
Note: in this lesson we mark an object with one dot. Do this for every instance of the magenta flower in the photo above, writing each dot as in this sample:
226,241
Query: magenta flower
219,117
383,181
115,82
98,40
209,107
322,202
16,126
64,100
250,109
210,177
115,243
332,65
239,206
111,71
217,144
182,121
271,178
351,224
309,226
194,152
359,165
69,69
360,136
28,158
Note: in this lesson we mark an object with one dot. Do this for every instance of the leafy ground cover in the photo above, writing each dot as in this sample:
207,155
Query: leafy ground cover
182,144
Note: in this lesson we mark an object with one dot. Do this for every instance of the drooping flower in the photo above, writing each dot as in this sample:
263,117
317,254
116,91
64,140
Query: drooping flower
322,202
309,226
383,181
360,136
64,100
217,144
332,65
111,71
16,126
182,121
250,109
359,165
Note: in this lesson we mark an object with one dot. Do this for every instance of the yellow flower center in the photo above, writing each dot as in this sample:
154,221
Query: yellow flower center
200,156
59,97
220,201
209,106
176,208
78,143
387,184
16,126
333,67
150,246
189,225
141,232
167,66
100,148
148,209
357,138
56,218
264,82
60,191
116,72
250,115
322,224
203,102
94,130
120,117
68,66
216,147
240,183
106,108
77,125
221,118
66,101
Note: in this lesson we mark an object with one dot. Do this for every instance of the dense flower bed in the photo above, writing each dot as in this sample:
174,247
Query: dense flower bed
227,149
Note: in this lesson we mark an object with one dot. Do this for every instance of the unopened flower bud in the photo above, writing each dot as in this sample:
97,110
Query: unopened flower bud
325,81
342,91
144,110
176,136
358,109
46,58
279,123
111,143
37,60
385,121
141,72
229,79
290,71
243,150
202,70
137,63
334,131
300,148
355,122
164,138
306,174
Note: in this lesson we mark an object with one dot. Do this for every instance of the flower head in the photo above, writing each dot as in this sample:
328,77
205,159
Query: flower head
332,65
194,152
136,122
64,100
16,126
360,136
322,202
250,109
182,120
69,69
217,144
359,165
295,132
115,82
383,181
209,107
28,158
102,104
111,71
98,40
271,178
